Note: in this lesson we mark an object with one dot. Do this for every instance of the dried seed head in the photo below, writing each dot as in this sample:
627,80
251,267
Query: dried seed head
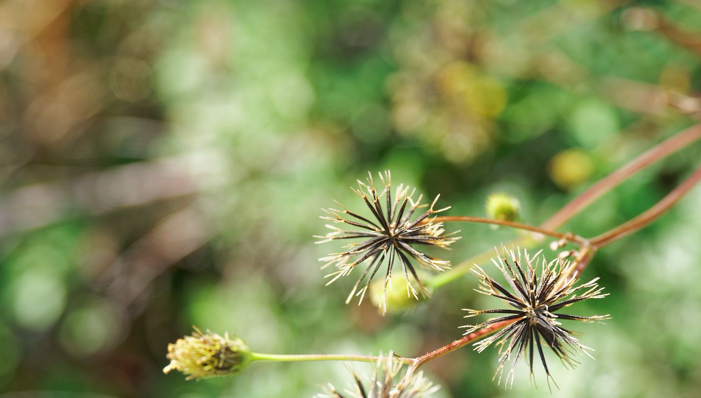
501,206
208,354
385,383
533,302
389,234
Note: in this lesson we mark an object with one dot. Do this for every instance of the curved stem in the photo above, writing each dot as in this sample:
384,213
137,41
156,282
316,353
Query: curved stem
512,224
588,248
464,267
461,342
650,215
256,356
575,206
660,151
583,258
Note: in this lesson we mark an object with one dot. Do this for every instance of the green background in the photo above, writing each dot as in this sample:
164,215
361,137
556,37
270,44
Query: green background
164,163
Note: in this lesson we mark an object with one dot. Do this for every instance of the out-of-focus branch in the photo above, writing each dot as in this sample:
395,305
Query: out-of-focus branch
172,239
691,3
555,66
647,19
646,98
136,184
563,17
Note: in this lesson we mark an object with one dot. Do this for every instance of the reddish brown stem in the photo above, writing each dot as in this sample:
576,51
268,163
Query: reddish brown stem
583,258
660,151
511,224
461,342
574,207
650,215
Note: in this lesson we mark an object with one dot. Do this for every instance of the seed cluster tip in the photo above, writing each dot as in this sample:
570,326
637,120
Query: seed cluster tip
533,305
388,234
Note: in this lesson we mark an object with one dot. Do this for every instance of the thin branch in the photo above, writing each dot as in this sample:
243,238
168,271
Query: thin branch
665,148
588,248
464,267
256,356
606,184
461,342
414,362
583,258
136,184
567,236
650,215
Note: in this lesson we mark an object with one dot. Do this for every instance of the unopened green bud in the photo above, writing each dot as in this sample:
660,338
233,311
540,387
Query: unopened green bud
398,296
208,354
501,206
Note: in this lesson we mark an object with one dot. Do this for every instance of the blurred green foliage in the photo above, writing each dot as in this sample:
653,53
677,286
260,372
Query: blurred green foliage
163,164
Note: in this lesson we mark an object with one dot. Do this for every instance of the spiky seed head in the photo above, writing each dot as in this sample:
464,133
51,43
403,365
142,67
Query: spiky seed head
386,382
204,355
533,300
501,206
388,236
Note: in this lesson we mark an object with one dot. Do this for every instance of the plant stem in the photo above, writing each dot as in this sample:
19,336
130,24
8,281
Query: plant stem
457,272
583,258
512,224
606,184
461,343
464,267
414,362
256,356
588,248
579,203
650,215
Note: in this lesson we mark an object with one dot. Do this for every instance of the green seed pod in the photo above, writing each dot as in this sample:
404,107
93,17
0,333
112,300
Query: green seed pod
204,355
501,206
401,296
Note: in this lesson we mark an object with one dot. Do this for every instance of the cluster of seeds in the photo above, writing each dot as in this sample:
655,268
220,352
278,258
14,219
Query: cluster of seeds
388,237
532,305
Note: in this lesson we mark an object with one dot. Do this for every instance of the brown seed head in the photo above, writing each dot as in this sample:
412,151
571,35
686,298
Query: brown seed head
533,302
390,233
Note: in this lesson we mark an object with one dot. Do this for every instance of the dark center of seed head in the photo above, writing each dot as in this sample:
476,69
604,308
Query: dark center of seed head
531,314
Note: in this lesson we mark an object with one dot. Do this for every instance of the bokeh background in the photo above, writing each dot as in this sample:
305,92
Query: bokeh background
163,163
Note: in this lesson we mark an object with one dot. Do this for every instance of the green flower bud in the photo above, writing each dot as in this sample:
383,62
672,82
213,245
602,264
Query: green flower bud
208,354
401,296
501,206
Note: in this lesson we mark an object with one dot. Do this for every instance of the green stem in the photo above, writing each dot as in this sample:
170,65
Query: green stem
464,267
257,356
